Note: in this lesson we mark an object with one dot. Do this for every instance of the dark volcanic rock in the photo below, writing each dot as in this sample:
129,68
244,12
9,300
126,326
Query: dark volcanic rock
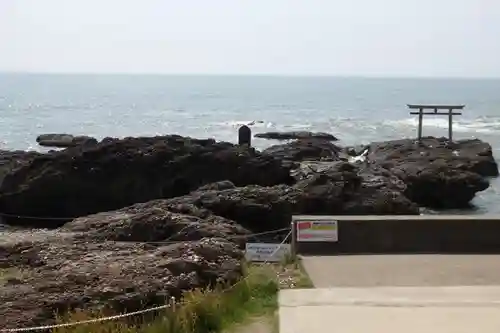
334,188
340,188
61,273
155,221
301,150
124,260
437,174
222,185
116,173
10,160
64,140
296,135
254,207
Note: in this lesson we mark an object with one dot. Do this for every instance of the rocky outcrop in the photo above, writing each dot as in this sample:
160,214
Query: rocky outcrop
64,140
296,135
469,155
10,160
332,188
155,221
437,174
63,273
434,172
340,188
255,208
116,173
301,150
123,259
235,212
119,172
127,260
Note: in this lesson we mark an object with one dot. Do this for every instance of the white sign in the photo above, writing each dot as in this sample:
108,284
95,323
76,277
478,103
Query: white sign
267,252
317,231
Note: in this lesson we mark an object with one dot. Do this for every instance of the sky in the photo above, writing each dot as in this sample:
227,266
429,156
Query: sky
425,38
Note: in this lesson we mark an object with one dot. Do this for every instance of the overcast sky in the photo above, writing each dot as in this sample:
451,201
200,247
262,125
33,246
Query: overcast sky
293,37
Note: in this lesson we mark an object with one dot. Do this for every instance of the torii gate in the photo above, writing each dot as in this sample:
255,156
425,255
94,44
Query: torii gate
450,113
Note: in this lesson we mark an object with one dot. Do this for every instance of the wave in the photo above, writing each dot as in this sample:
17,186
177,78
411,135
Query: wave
251,123
479,125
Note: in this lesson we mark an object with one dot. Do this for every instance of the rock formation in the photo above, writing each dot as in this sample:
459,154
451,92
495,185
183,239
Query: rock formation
62,273
64,140
117,173
296,135
437,174
307,149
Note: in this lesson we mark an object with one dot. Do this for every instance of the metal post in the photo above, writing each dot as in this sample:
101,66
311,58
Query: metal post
420,119
293,245
450,125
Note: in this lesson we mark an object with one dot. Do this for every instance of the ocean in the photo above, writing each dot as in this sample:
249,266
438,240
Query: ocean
356,110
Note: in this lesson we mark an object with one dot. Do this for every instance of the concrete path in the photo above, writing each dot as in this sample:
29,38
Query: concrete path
396,293
391,309
403,270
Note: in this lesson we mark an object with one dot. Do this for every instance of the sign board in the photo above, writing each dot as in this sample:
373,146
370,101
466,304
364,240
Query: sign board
317,231
267,252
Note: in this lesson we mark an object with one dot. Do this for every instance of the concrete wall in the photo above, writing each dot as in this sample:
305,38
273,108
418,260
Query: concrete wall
409,234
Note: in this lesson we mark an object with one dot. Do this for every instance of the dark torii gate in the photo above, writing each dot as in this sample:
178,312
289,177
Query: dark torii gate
450,112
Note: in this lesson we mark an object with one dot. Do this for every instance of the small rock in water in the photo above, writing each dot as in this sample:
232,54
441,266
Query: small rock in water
296,135
64,140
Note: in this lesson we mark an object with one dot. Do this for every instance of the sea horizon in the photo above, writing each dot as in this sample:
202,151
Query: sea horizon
256,75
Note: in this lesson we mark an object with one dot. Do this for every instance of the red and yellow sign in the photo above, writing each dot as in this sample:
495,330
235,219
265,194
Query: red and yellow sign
317,231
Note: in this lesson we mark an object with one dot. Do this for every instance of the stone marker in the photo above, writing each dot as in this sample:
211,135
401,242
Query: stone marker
245,136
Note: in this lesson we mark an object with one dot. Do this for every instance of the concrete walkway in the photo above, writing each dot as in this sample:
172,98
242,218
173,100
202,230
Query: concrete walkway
391,309
396,293
403,270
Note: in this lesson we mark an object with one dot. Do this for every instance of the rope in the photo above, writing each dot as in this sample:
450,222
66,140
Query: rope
27,217
84,322
125,315
263,233
168,240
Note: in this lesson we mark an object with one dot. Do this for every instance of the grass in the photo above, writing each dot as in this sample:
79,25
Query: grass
204,311
291,275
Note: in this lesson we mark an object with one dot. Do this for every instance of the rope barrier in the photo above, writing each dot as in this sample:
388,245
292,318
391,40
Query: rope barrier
167,241
125,315
152,242
27,217
85,322
263,233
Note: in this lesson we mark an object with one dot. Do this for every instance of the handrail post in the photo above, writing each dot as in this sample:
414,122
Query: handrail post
420,120
450,125
293,245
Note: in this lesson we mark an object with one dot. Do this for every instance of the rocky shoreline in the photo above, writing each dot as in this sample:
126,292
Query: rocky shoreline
114,207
